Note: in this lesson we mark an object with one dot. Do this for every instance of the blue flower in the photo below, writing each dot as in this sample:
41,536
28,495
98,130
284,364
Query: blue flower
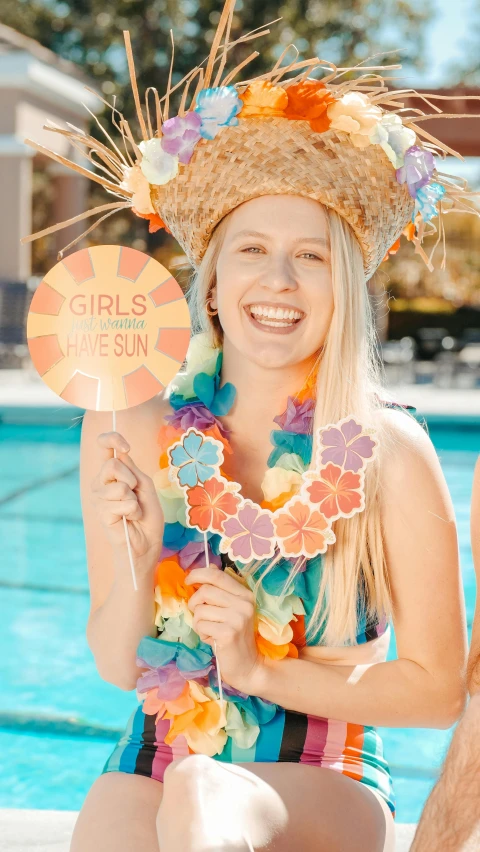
195,458
426,200
218,108
290,442
176,536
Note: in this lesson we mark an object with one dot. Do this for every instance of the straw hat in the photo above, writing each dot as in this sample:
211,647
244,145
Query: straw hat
344,140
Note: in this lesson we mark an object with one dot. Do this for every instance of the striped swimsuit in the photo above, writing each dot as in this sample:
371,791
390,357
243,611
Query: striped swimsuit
260,731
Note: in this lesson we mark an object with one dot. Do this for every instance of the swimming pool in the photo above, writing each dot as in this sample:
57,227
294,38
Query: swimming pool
58,719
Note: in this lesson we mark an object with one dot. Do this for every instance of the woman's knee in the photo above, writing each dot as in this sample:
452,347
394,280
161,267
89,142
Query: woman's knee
118,815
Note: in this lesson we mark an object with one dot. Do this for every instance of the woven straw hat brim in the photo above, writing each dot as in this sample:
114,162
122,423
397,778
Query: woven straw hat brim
275,155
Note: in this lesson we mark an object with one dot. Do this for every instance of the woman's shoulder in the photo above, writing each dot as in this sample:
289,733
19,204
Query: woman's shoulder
407,452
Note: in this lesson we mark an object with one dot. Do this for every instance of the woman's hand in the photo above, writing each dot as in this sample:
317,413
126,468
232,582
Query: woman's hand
121,488
224,611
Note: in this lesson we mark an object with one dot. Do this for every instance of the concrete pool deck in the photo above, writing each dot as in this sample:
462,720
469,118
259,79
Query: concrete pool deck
50,831
24,390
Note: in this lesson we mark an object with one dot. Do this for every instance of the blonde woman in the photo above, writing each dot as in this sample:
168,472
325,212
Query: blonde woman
275,458
316,778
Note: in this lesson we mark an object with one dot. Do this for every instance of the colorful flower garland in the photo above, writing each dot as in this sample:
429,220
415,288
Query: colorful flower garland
309,100
180,680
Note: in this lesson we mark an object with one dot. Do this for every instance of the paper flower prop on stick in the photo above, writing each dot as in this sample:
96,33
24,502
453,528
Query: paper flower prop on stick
302,527
108,328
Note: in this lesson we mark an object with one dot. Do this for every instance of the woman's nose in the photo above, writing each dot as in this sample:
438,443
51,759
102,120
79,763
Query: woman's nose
279,276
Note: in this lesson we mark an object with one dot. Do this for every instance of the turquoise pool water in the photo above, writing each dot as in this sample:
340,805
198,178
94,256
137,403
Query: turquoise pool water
58,719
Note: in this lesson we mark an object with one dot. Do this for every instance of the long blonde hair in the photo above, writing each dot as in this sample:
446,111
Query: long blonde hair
348,383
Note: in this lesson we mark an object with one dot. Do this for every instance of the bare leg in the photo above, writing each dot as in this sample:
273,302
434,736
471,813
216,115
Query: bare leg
451,817
118,815
276,807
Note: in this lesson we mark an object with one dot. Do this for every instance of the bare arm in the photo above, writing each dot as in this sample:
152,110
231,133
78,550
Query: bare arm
474,657
119,615
425,686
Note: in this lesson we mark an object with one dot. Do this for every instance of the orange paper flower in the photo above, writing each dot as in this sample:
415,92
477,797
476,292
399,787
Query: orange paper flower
155,222
338,492
392,250
262,98
308,100
301,531
170,576
210,504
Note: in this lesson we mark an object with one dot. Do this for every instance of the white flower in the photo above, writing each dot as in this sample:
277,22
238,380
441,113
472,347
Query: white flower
157,165
354,114
135,181
394,138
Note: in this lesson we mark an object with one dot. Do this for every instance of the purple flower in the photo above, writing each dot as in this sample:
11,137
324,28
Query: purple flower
197,416
344,446
250,533
181,134
168,680
193,555
418,168
297,416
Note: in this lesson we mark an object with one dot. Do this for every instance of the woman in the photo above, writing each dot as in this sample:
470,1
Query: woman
305,259
261,684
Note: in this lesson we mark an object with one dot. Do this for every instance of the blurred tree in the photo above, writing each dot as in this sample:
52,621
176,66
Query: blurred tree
89,33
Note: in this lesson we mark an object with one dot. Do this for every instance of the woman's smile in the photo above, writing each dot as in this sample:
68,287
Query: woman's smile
276,317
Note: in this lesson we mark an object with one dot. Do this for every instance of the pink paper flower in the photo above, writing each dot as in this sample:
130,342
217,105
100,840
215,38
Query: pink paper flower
249,535
346,446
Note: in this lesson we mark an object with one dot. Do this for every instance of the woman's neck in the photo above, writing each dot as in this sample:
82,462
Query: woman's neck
261,392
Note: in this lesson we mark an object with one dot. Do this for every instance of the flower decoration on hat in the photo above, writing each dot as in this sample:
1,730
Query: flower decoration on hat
364,146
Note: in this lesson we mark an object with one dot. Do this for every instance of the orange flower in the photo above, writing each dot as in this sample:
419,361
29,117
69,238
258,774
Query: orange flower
268,649
261,98
392,250
211,503
155,222
298,626
301,531
278,502
308,100
338,492
170,576
409,231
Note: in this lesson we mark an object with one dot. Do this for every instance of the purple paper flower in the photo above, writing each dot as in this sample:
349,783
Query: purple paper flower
297,416
197,416
193,556
426,200
181,134
168,680
250,532
417,169
344,446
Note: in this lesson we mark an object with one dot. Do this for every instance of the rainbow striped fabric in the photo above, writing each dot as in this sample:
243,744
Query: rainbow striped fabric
353,750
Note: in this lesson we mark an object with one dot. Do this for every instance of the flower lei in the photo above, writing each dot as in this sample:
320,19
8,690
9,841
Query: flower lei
308,100
180,679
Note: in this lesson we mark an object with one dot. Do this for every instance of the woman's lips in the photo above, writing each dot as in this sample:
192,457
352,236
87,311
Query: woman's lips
278,328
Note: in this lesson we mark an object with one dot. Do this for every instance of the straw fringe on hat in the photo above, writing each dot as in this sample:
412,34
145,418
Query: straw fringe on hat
345,140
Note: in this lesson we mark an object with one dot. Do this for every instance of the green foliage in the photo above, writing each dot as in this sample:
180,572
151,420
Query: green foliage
89,33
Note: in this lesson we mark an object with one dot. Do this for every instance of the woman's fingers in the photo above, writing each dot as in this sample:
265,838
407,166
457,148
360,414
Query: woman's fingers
217,578
211,595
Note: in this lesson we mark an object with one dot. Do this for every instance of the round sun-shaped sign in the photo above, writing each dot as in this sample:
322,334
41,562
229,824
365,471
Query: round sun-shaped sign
108,328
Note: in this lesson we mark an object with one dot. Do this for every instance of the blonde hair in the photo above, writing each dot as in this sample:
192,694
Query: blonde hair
348,383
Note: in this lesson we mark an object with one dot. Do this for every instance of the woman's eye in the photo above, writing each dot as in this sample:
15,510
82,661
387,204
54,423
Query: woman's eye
255,248
315,256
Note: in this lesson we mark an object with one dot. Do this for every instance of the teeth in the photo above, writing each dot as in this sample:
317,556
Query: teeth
277,314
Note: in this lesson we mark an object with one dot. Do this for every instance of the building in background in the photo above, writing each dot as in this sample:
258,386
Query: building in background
35,85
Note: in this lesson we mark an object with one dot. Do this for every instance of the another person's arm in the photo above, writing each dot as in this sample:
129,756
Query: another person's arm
474,657
119,615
